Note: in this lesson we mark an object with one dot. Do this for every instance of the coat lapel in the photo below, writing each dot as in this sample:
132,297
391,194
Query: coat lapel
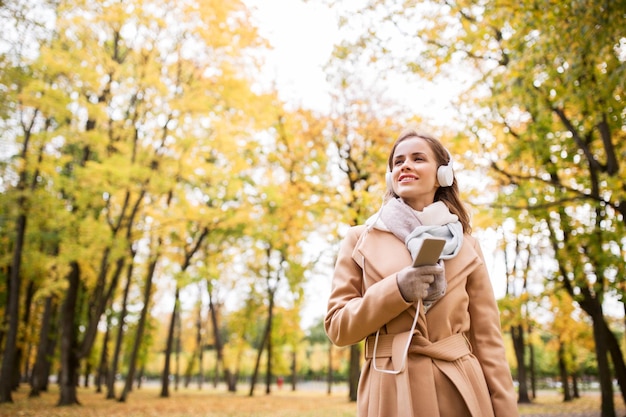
380,255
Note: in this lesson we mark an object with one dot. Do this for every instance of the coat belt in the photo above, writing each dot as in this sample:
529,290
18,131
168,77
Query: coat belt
443,353
449,349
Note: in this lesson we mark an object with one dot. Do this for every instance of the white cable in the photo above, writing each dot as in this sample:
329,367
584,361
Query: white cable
406,349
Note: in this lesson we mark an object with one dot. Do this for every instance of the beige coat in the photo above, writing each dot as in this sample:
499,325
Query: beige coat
456,365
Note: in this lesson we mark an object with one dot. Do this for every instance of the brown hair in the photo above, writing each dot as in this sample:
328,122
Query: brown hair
449,195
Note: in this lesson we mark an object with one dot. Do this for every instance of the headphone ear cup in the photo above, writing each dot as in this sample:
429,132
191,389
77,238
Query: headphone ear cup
445,175
389,181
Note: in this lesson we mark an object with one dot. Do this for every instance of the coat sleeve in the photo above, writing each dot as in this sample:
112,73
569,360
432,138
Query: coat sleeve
353,313
487,343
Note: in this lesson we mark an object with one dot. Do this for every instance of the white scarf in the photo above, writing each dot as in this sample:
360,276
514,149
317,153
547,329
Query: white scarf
412,226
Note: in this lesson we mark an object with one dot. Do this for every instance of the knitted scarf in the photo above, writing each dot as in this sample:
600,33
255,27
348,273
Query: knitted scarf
412,226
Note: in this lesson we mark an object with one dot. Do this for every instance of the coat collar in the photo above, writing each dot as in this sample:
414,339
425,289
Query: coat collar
384,252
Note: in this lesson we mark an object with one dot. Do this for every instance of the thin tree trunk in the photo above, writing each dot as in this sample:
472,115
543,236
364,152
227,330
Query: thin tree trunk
563,371
142,371
355,371
294,369
140,326
86,374
120,333
54,337
139,378
257,365
178,332
165,376
229,378
25,345
42,361
270,321
517,334
102,373
330,369
576,392
533,375
199,341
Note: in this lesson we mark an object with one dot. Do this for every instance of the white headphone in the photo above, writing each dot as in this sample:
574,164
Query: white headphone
445,174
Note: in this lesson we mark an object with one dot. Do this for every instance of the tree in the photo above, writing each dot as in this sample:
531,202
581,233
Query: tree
30,126
287,200
117,96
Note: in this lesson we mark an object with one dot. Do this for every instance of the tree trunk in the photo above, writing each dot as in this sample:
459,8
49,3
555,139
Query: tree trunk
264,342
23,350
147,292
576,392
102,373
563,371
270,320
229,377
355,371
42,361
517,334
178,332
604,372
52,345
120,334
329,388
9,362
200,368
13,301
616,356
140,375
592,306
165,376
199,343
87,373
96,304
69,346
533,376
294,369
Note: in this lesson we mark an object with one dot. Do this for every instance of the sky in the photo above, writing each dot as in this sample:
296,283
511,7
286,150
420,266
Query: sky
302,36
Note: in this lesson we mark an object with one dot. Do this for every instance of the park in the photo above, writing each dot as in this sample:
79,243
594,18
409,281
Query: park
171,209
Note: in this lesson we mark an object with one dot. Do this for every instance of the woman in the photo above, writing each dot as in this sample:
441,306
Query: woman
455,365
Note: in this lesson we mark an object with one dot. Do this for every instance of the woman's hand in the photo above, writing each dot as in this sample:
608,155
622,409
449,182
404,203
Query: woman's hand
427,282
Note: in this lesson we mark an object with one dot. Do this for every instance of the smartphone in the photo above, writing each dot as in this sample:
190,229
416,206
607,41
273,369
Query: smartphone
430,251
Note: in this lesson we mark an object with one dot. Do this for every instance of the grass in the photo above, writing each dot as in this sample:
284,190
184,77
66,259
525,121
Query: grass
189,402
192,402
550,403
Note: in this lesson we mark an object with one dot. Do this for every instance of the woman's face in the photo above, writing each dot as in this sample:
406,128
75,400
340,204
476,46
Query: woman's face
414,173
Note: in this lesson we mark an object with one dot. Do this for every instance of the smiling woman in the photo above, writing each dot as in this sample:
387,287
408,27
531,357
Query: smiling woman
433,344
